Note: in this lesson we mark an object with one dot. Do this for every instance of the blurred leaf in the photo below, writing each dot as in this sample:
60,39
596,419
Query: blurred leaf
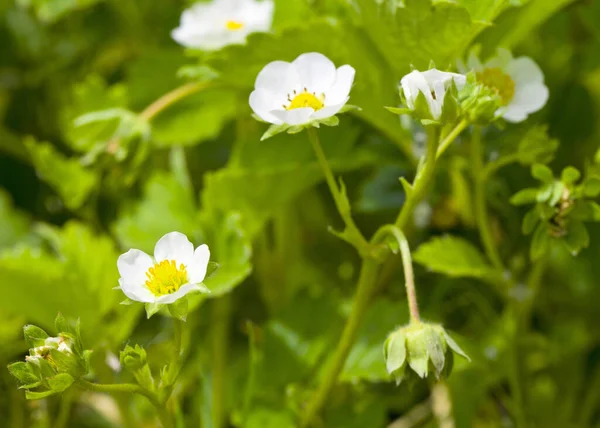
15,224
453,256
195,119
536,146
53,10
65,175
366,360
91,95
231,248
166,206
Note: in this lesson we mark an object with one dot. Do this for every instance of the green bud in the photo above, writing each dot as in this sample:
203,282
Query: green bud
133,358
420,349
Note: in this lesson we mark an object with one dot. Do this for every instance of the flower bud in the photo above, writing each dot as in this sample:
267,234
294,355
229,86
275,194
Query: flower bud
420,349
133,358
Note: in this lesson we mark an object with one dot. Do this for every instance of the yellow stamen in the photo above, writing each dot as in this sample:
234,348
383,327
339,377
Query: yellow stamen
306,99
502,83
166,278
234,25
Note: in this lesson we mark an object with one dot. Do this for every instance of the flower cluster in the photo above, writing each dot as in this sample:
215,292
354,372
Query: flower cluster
53,363
562,206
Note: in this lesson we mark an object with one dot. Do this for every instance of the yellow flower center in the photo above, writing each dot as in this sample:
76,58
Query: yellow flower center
166,278
234,25
502,83
306,99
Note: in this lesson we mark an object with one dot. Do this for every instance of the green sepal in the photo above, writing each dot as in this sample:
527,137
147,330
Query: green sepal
274,130
61,323
179,308
32,395
348,108
408,188
152,308
399,110
330,121
34,336
211,269
60,382
127,301
23,372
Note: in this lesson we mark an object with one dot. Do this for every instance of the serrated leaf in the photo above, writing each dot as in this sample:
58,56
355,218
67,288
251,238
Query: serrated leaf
34,336
454,257
536,146
23,372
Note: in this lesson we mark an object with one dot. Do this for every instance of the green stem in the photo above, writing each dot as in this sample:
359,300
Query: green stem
481,212
494,166
422,179
352,233
64,409
368,274
130,388
445,143
220,318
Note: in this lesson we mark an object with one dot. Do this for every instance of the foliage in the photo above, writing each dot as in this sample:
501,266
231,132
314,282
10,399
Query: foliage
112,135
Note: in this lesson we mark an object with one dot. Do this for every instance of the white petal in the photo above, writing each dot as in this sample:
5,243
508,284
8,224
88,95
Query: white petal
413,83
279,77
197,267
262,103
524,70
317,72
136,291
435,76
183,290
133,266
528,99
502,59
258,16
297,116
328,111
174,246
341,87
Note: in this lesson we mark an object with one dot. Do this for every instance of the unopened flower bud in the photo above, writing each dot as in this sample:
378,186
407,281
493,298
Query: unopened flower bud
422,349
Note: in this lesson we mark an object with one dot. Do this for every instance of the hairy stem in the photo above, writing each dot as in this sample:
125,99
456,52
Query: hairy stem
352,233
161,104
368,277
445,143
481,212
130,388
368,274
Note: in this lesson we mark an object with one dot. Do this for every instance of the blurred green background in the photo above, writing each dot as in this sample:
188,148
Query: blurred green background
70,204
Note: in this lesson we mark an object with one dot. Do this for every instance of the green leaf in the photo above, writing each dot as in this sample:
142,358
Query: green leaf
542,173
49,11
570,175
403,33
524,197
231,248
15,224
530,221
65,175
195,119
591,187
577,237
454,257
536,146
166,206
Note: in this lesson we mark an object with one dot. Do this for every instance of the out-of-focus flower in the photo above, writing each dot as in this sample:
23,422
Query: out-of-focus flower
310,88
175,270
214,25
433,85
519,83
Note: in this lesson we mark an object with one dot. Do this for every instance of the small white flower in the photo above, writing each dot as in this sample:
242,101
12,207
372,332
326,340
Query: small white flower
433,84
175,270
518,81
298,92
60,343
214,25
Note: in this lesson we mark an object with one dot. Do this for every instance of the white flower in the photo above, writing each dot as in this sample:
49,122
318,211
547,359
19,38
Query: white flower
175,270
518,81
433,84
214,25
306,89
59,343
